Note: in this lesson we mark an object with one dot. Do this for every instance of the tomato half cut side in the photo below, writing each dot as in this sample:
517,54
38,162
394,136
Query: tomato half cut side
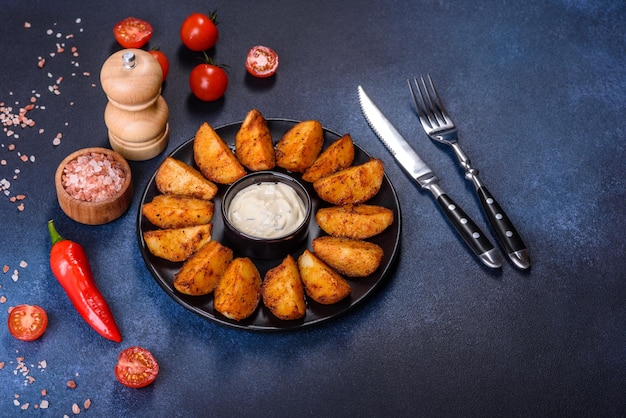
132,32
27,322
262,61
136,367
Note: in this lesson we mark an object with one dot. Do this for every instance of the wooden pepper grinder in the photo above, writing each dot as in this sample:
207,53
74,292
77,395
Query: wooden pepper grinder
136,114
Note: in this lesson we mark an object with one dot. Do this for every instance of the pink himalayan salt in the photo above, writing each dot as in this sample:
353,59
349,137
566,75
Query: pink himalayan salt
93,177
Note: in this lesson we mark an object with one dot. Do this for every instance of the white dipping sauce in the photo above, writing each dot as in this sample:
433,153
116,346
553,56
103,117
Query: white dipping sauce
266,210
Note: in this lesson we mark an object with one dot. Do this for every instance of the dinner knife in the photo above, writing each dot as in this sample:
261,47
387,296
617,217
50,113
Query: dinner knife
417,169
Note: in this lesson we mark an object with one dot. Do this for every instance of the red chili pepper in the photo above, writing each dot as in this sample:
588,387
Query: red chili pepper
70,266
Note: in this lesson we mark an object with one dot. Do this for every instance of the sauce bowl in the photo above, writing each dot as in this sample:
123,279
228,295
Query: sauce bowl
257,246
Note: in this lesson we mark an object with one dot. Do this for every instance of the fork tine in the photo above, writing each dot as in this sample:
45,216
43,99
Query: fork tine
420,106
436,104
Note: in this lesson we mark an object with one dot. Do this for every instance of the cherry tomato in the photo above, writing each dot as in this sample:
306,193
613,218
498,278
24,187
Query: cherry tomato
262,61
199,32
163,61
27,322
136,367
208,82
132,32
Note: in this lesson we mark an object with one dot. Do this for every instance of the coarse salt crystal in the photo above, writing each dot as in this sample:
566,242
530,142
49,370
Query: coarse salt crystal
93,178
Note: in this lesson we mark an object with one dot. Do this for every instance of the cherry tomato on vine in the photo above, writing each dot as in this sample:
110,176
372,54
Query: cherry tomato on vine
261,61
199,32
163,61
208,81
132,32
27,322
136,367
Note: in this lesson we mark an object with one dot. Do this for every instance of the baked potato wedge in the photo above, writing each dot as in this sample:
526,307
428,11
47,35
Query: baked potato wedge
203,270
300,146
350,257
172,211
321,282
177,244
214,158
339,155
254,146
354,221
352,185
176,177
283,292
239,290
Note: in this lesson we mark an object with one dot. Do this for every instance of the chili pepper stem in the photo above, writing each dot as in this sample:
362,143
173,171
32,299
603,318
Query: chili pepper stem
54,235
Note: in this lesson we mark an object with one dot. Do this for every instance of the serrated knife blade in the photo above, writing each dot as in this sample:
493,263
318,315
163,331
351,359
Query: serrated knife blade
419,171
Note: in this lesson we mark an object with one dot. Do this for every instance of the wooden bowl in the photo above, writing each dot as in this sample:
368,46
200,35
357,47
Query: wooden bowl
95,212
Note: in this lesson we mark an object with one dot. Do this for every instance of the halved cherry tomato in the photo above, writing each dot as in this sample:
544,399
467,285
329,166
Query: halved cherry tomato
261,61
199,32
27,322
132,32
136,367
208,81
163,61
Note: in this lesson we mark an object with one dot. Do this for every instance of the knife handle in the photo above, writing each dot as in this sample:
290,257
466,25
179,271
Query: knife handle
469,231
503,227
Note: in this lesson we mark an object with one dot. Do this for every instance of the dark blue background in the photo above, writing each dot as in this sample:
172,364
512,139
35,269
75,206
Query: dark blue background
538,90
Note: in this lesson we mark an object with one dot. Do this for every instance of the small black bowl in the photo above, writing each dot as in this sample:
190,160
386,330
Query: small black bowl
265,248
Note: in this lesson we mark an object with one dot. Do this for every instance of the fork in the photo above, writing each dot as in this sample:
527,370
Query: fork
440,128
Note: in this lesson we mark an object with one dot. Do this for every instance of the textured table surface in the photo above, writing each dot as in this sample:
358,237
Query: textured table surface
538,90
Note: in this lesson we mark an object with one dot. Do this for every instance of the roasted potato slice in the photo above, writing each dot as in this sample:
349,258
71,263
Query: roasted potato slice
254,146
214,158
339,155
350,257
176,177
177,244
172,211
300,146
239,290
203,270
321,283
352,185
283,291
354,221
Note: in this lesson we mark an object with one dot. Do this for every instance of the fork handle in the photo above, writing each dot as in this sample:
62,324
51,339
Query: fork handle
466,228
503,227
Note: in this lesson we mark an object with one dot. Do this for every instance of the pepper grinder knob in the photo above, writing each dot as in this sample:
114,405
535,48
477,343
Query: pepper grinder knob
128,60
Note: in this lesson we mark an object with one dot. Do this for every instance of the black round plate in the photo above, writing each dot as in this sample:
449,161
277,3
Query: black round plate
263,320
